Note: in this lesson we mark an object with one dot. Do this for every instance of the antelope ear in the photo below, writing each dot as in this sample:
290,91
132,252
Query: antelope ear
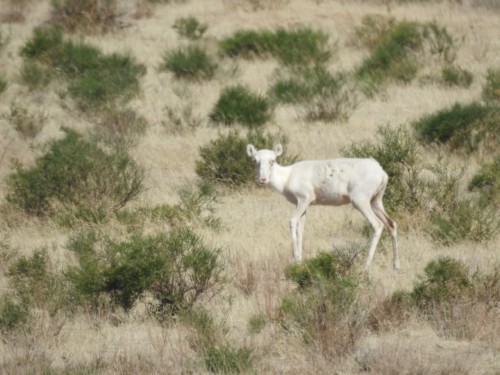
251,151
278,149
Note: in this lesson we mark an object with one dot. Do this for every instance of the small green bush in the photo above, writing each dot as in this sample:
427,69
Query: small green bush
325,97
461,126
224,160
176,269
190,28
393,57
34,285
491,88
12,314
296,47
78,176
27,124
237,104
487,181
34,75
94,79
256,323
325,308
191,63
456,76
196,207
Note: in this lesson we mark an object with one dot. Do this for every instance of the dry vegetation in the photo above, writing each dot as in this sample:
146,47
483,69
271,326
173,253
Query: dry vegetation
250,316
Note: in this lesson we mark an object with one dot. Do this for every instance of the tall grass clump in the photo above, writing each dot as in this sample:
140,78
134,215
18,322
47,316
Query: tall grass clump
175,269
237,104
486,181
491,88
295,47
462,126
455,301
84,15
76,177
94,79
196,207
456,76
190,28
326,309
225,161
324,96
191,63
397,48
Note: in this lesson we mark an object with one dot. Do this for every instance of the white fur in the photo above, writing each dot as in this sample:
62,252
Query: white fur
335,182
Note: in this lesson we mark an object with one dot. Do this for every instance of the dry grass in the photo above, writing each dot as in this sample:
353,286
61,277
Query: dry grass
255,235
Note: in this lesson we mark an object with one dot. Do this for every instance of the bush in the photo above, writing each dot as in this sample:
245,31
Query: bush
487,181
78,176
325,309
190,28
455,76
491,89
395,48
12,314
189,63
297,47
325,96
176,269
445,279
224,160
34,75
35,286
461,126
94,79
196,207
392,56
237,104
75,15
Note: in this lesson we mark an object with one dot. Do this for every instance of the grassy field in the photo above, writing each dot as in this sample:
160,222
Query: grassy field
255,318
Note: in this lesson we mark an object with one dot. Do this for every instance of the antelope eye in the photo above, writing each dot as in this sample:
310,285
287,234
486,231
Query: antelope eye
271,162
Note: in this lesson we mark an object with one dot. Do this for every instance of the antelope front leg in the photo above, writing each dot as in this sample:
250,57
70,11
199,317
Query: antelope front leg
297,229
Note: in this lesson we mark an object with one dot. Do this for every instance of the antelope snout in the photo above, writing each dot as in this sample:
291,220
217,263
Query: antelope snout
263,180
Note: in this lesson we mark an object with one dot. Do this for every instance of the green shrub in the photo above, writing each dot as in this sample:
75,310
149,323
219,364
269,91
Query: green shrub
296,47
78,176
455,76
395,48
75,15
467,219
256,323
325,309
461,126
196,207
487,181
34,75
27,124
34,285
190,28
94,79
176,269
12,314
324,96
225,161
189,63
491,88
393,57
445,279
237,104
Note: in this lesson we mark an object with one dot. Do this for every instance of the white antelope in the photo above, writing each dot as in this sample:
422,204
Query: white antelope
335,182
